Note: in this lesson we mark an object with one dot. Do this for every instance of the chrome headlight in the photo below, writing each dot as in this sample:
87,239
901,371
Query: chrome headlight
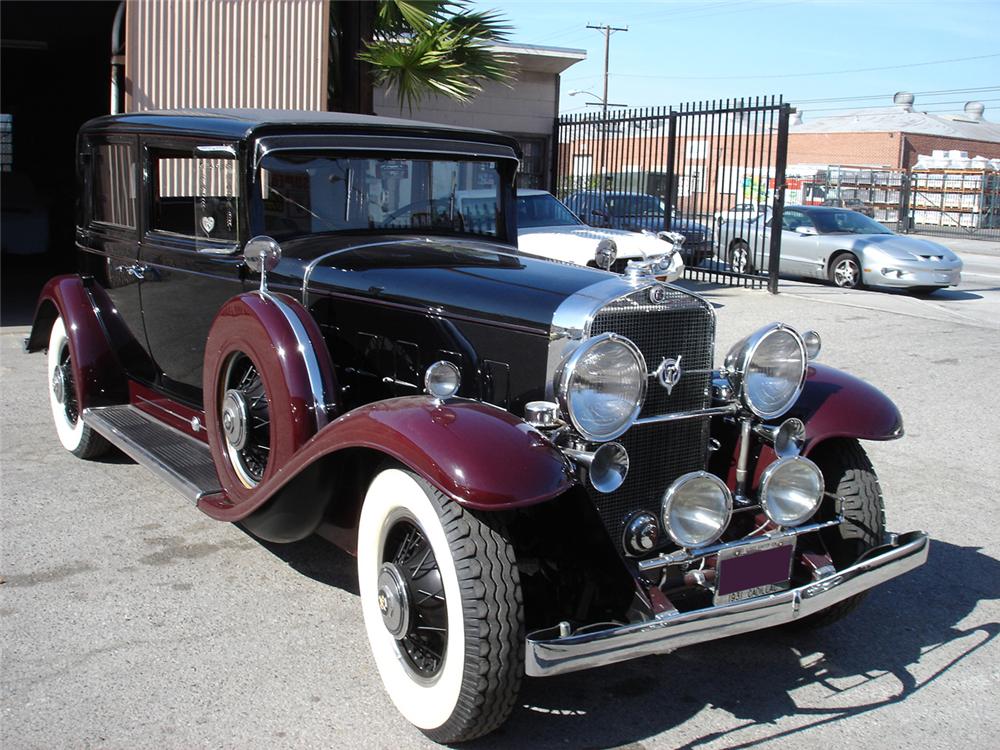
602,387
768,369
791,490
696,509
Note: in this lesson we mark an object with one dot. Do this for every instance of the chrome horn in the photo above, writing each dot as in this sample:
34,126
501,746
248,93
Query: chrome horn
606,467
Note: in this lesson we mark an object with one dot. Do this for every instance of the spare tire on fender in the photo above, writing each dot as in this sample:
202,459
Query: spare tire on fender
268,388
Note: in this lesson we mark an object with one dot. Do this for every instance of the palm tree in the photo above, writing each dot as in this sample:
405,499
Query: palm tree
416,49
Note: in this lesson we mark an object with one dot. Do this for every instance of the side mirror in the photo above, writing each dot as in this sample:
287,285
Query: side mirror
806,231
261,254
599,214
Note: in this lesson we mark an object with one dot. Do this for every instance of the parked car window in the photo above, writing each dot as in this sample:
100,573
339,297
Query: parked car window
847,222
114,185
792,220
305,193
196,197
543,211
634,205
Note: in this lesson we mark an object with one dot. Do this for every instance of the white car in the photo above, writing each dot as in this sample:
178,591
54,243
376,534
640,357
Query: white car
742,212
546,228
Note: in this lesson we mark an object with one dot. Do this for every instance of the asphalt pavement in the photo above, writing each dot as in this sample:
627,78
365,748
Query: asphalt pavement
131,620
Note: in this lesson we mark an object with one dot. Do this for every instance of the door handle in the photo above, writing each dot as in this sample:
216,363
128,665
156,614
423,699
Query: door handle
135,270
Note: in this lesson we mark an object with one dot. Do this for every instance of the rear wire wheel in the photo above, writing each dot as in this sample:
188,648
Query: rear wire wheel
246,419
441,599
76,436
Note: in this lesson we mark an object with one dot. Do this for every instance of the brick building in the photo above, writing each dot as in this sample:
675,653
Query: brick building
890,137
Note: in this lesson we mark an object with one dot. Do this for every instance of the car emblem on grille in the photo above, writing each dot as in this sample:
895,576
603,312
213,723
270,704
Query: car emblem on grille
669,373
658,295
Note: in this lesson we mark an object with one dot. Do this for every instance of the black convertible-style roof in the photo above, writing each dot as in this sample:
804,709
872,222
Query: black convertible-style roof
241,124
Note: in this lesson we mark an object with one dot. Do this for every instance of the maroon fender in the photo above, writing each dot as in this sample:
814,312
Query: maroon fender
834,404
480,455
90,319
285,343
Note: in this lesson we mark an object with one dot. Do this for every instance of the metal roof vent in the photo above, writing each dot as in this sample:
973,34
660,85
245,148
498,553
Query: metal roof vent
975,110
903,100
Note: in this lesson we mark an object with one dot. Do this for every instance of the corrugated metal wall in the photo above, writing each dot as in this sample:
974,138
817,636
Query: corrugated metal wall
226,53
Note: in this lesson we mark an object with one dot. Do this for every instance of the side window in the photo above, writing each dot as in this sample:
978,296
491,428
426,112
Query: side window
195,197
113,185
791,220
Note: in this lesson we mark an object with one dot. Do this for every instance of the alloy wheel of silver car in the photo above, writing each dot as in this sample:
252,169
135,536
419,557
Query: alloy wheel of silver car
245,418
739,258
845,271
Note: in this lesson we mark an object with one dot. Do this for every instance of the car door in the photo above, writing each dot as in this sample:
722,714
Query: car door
108,238
799,252
189,254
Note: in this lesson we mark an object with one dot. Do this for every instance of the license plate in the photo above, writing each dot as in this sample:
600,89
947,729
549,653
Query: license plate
754,570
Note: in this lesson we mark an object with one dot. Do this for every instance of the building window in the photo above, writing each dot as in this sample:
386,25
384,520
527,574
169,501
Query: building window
6,143
533,163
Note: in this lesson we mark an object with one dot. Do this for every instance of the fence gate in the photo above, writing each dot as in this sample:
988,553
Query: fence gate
713,171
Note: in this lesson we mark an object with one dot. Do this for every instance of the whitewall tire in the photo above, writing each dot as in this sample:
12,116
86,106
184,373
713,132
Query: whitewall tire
441,600
75,436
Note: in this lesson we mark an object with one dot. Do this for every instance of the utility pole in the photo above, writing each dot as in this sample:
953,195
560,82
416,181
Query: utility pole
607,29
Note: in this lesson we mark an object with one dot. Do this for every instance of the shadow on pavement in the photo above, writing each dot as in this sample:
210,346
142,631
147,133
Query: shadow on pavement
904,637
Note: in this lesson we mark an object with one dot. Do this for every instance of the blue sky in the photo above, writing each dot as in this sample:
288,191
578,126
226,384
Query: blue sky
678,50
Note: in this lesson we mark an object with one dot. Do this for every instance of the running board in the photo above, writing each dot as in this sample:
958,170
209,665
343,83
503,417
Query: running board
181,461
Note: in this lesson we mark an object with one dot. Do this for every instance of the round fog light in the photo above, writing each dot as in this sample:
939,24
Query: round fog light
609,467
696,509
442,380
791,490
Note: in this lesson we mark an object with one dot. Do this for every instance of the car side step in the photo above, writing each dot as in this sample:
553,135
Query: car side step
180,460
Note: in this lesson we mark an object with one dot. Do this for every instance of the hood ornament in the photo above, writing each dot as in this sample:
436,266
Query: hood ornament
669,373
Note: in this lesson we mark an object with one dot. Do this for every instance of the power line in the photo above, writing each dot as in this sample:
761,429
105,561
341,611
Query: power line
809,75
869,110
886,96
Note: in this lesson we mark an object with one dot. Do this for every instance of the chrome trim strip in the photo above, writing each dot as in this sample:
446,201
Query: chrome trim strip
683,556
308,356
147,457
696,414
548,654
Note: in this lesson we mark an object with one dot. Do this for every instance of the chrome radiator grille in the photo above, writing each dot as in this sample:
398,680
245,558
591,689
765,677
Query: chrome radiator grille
679,326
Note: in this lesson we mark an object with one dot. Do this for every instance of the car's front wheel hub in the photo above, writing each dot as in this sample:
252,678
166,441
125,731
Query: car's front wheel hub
394,601
59,384
235,419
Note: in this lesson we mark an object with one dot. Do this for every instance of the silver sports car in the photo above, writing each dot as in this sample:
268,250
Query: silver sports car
843,246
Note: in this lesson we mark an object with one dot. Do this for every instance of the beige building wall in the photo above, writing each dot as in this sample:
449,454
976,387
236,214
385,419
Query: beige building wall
528,106
226,53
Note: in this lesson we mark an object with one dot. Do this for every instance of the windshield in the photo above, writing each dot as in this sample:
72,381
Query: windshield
306,193
845,222
544,211
635,205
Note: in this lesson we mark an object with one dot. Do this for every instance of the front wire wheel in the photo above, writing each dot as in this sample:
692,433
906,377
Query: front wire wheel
246,419
76,436
441,599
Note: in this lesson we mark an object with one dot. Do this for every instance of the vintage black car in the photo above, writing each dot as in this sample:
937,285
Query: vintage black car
537,464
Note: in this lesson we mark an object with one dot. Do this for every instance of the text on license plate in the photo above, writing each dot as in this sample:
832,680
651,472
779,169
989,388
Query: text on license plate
755,570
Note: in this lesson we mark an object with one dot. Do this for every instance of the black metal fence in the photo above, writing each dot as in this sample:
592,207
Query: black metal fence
945,202
712,171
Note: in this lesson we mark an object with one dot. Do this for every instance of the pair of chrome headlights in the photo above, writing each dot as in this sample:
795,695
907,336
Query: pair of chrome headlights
602,386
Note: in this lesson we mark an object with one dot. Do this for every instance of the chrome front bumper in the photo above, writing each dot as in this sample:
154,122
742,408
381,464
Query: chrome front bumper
547,654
